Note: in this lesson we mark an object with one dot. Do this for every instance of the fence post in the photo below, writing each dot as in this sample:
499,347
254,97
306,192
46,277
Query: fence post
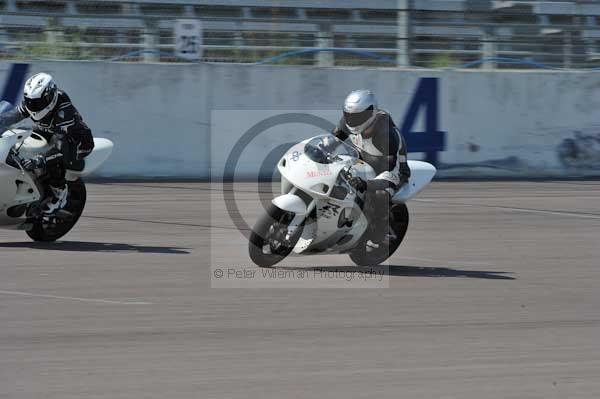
567,50
403,34
325,40
54,37
489,50
150,42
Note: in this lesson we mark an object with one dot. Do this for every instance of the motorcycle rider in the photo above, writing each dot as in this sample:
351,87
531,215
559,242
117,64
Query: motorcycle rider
58,121
380,144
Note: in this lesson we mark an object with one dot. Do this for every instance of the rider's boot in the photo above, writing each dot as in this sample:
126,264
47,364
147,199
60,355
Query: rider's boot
380,233
56,201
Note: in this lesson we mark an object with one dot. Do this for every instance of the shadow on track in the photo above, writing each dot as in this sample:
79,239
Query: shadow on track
89,246
412,271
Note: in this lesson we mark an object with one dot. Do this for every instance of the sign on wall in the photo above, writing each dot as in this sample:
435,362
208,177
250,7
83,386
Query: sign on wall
188,39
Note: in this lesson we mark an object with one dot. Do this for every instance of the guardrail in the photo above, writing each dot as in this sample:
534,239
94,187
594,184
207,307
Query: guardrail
407,39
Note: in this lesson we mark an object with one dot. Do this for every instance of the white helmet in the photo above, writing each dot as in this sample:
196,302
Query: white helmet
360,109
40,95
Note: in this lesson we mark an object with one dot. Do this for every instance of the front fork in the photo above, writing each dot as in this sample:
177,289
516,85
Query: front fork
299,218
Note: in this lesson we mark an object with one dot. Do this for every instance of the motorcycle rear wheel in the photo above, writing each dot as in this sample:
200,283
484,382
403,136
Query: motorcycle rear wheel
264,233
45,232
399,218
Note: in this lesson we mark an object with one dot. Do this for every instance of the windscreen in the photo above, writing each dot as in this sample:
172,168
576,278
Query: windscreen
328,149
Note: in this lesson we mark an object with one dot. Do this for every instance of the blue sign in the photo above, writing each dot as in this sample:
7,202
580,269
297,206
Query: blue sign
14,85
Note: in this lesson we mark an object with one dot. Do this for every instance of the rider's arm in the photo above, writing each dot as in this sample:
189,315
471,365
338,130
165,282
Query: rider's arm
389,140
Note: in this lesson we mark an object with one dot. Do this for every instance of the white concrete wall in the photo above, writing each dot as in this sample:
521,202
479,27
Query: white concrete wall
159,116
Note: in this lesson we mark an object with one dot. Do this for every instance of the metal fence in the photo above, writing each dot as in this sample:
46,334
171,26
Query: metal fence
426,33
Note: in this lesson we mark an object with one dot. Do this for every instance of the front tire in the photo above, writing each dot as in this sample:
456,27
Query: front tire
43,231
269,234
399,224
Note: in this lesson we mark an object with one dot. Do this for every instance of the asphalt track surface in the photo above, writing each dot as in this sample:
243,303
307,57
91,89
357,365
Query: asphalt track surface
495,293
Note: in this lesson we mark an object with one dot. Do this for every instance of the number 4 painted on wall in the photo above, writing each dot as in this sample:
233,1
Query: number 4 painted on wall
431,141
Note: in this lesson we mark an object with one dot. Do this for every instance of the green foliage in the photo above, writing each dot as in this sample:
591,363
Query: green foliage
442,60
54,43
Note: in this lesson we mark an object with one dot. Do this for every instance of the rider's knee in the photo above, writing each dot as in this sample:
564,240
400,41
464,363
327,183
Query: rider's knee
375,185
381,188
383,196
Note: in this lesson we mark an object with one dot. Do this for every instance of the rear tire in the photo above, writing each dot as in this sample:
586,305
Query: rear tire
273,221
399,223
44,232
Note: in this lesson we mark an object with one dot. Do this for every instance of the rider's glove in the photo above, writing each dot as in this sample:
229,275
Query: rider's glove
358,184
36,162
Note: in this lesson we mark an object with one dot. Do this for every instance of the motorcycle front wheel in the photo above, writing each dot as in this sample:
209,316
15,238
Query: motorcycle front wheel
269,241
58,226
398,225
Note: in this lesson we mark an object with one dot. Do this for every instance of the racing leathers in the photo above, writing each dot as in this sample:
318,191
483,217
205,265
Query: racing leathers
69,137
382,146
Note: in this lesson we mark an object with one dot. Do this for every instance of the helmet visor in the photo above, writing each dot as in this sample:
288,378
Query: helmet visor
37,104
358,118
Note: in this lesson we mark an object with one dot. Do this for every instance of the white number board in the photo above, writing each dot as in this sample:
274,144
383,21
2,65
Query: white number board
188,39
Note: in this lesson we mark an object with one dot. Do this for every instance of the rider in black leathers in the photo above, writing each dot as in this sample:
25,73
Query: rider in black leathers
58,121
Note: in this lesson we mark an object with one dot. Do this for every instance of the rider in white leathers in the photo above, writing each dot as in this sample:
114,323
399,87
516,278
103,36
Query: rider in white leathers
380,144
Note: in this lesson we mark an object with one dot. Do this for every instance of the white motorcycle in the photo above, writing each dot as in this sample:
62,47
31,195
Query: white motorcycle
21,191
319,212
